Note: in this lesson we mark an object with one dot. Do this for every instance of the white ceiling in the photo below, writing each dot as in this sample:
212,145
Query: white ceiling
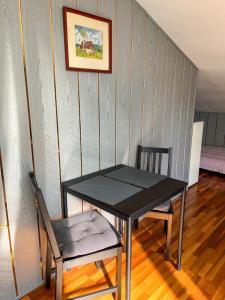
198,28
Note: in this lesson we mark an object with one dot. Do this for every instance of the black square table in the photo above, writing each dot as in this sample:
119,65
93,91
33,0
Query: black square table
127,193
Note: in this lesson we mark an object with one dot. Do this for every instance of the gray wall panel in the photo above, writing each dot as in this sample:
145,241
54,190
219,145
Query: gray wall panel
161,62
107,94
107,98
137,81
220,131
7,286
37,41
16,151
89,122
214,128
211,129
191,106
150,78
67,99
89,108
183,119
169,94
203,116
3,220
124,25
142,101
179,78
196,116
168,101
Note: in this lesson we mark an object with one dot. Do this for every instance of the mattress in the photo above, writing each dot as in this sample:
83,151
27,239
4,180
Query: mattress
213,159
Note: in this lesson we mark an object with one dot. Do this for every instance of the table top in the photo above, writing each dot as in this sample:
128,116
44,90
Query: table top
124,191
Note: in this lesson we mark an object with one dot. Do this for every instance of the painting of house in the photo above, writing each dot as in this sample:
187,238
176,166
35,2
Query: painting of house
87,46
89,42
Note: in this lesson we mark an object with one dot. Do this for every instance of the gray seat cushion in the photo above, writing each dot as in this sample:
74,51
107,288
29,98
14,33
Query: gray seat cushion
165,207
85,233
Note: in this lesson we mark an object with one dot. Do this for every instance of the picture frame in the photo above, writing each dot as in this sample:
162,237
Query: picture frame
88,41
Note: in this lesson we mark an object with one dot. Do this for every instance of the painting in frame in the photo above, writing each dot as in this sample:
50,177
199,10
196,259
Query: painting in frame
88,41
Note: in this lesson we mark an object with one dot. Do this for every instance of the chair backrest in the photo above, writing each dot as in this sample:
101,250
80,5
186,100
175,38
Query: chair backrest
43,212
151,159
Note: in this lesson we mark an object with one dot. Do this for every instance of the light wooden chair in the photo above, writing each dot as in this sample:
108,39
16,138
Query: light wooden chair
78,240
150,159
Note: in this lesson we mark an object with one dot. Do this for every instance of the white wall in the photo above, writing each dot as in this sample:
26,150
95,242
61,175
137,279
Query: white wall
196,146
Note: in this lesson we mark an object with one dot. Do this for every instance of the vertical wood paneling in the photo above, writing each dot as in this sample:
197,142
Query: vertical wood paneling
67,99
177,102
211,129
150,78
176,108
124,25
37,41
68,105
8,282
169,94
142,101
16,151
3,221
220,131
203,116
214,128
7,288
137,81
88,85
107,98
89,110
191,106
162,43
196,116
107,93
90,122
168,102
182,127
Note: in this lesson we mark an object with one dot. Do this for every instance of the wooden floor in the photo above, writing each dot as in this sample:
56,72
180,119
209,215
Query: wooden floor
203,272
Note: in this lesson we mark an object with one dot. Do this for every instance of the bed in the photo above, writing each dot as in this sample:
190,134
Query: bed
213,159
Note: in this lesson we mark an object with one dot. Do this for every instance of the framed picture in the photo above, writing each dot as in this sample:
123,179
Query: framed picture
88,41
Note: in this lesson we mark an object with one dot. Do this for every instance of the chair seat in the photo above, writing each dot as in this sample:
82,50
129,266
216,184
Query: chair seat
165,207
85,233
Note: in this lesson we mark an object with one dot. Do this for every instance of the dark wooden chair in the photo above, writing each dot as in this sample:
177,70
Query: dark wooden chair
150,159
77,240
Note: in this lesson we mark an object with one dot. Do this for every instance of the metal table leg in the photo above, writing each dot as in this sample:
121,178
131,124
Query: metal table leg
120,226
128,258
64,203
182,209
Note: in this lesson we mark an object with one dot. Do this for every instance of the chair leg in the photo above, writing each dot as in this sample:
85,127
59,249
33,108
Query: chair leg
168,237
48,267
165,226
58,279
116,223
99,264
120,226
119,272
136,224
124,237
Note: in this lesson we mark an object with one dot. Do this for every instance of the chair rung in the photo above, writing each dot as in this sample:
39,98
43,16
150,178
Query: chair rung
159,215
97,293
89,258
